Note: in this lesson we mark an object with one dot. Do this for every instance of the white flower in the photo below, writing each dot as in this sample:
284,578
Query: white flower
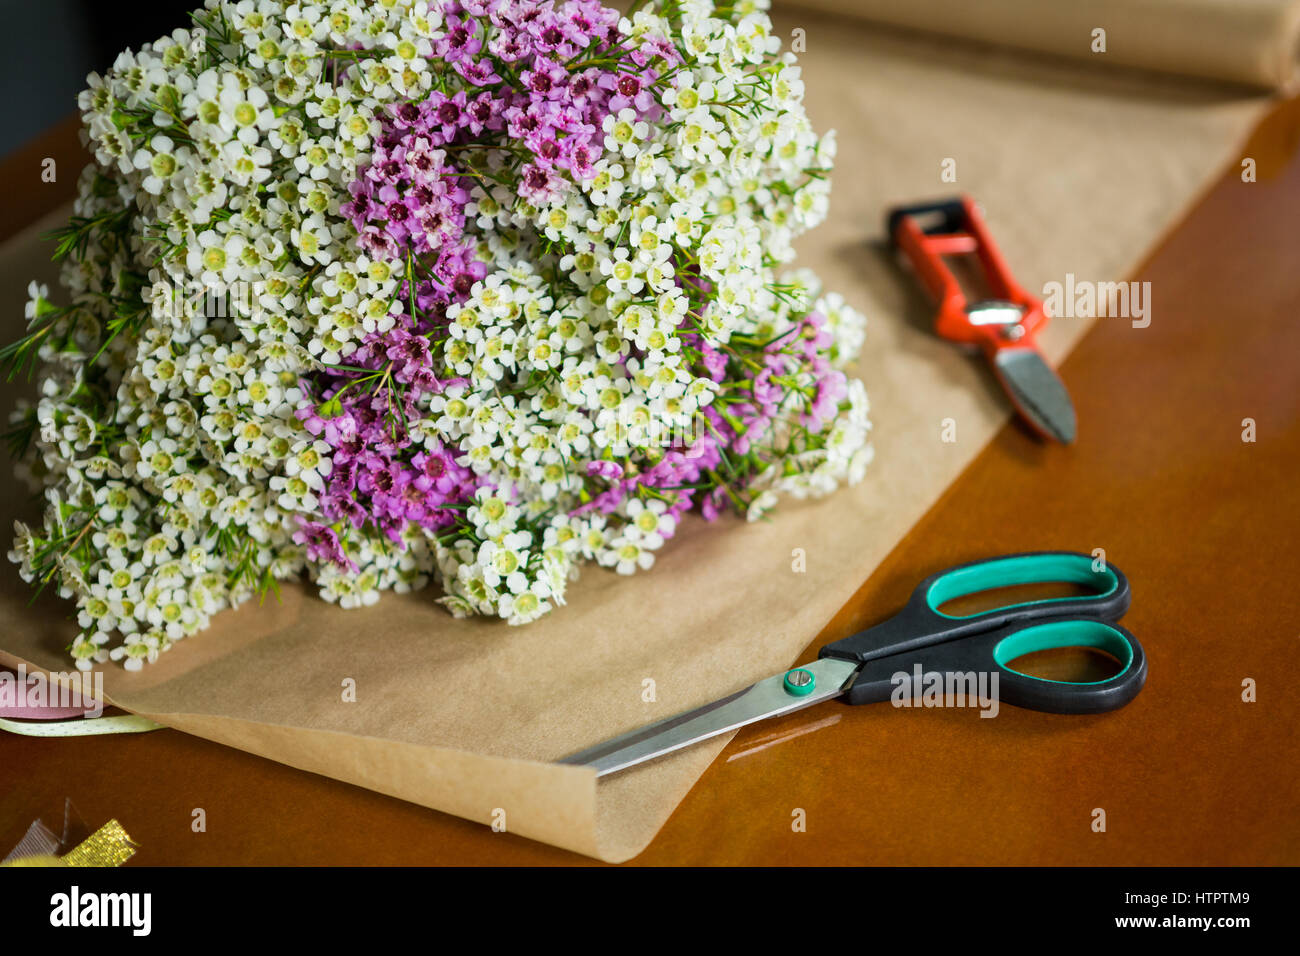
625,554
761,505
622,273
624,132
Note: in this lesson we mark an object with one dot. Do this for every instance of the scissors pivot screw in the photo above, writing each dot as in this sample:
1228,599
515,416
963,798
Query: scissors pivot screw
800,682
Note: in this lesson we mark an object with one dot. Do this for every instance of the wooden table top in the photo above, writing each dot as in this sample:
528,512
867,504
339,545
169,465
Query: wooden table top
1204,524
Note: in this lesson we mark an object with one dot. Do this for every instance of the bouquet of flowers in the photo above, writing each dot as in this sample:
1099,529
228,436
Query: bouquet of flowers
407,291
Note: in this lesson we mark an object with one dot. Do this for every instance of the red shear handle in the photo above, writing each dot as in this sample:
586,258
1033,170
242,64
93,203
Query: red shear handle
1009,318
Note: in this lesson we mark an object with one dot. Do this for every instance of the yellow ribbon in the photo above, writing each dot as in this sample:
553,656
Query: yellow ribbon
36,861
107,846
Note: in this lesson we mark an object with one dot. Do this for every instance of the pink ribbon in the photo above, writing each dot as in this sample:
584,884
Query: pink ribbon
44,712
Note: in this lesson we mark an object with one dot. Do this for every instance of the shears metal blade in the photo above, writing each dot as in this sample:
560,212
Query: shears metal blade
1037,392
771,697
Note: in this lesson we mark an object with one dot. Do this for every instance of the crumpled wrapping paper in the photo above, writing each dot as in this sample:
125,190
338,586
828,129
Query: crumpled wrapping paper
1078,171
1252,42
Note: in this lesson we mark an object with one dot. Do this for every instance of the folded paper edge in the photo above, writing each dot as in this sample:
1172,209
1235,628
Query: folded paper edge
505,791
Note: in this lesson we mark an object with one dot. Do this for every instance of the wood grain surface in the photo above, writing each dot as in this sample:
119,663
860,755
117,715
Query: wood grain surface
1204,524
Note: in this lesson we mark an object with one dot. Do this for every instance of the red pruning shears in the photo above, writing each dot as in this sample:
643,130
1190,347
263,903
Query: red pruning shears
1003,320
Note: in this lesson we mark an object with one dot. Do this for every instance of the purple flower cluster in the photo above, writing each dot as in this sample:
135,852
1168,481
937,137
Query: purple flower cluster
732,435
529,94
322,544
803,353
677,467
379,475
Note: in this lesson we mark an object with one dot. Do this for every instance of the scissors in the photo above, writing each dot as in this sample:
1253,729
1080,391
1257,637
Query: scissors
1004,326
865,668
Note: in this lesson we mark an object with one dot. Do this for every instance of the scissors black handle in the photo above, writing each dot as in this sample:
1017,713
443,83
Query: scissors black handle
921,635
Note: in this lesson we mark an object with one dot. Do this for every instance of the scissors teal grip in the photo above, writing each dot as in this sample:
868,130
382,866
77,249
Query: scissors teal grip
920,635
867,667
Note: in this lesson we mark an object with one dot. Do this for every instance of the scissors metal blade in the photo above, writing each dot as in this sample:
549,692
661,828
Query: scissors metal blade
1037,391
767,698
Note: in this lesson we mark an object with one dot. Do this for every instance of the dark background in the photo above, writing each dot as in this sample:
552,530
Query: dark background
53,44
